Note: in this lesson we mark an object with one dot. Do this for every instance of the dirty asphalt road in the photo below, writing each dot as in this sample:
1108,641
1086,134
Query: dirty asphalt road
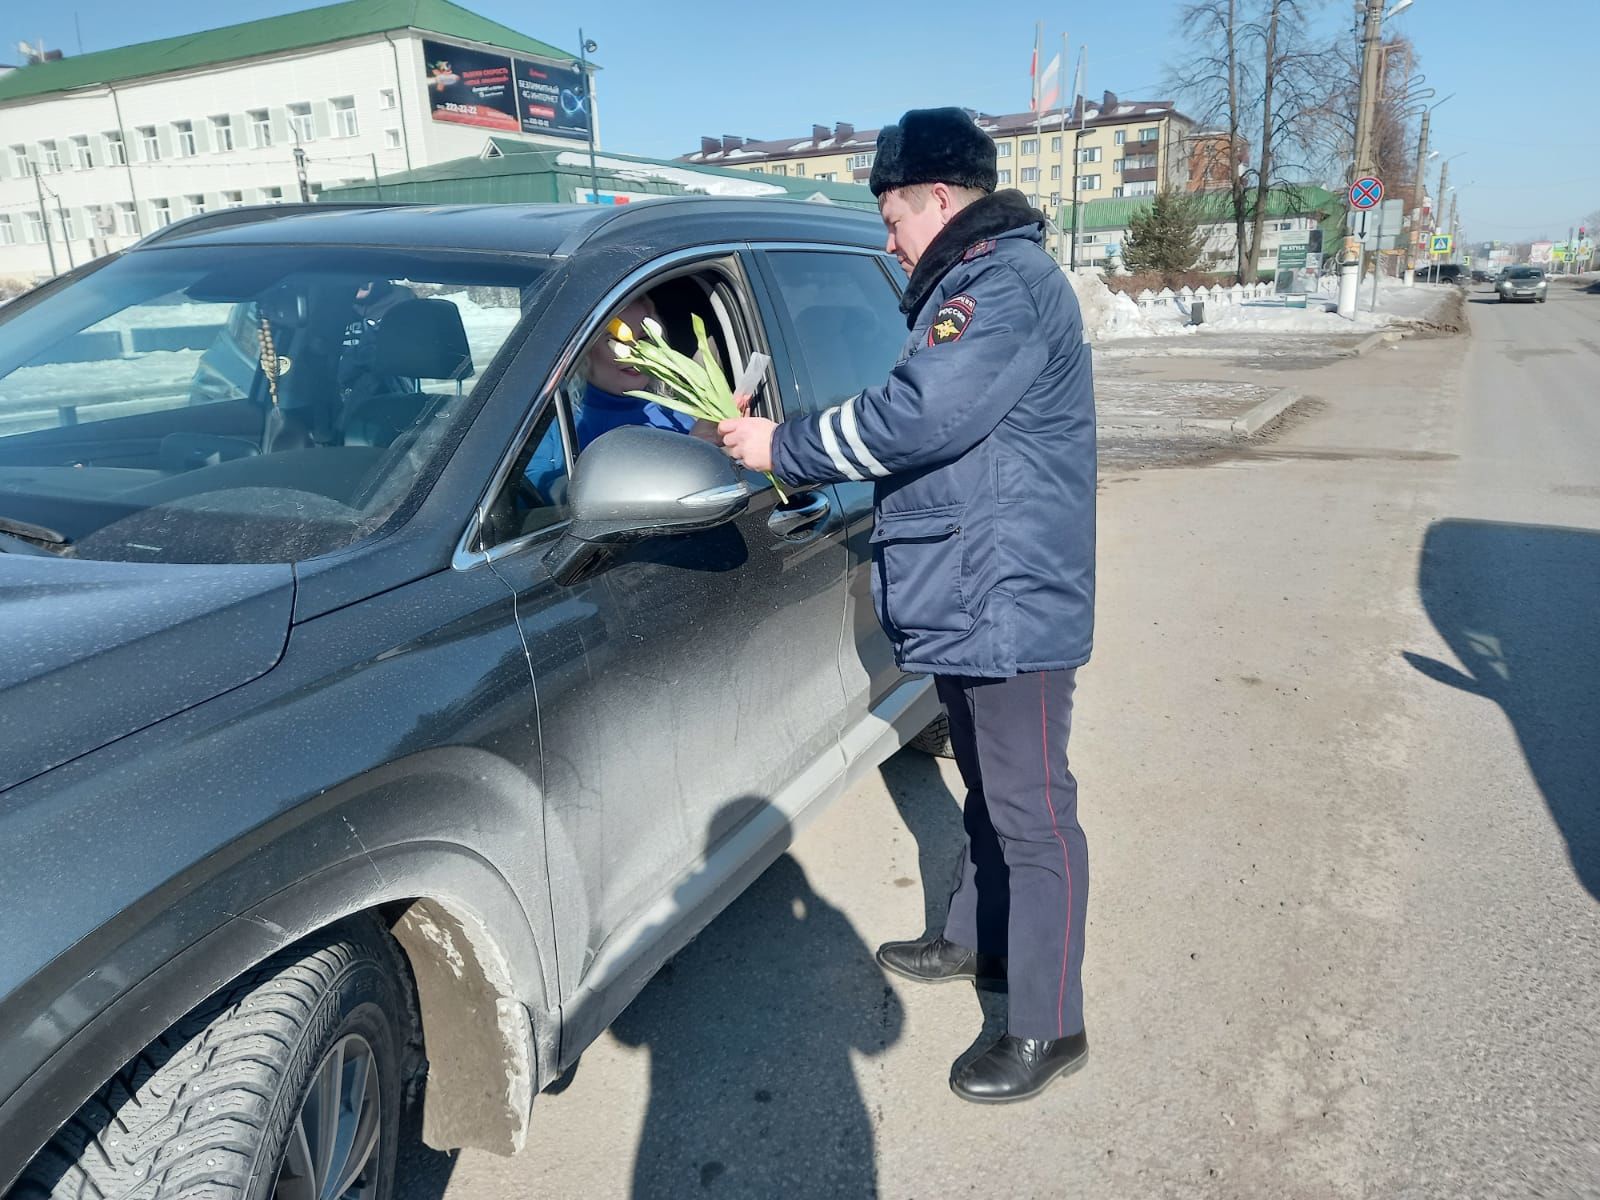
1340,761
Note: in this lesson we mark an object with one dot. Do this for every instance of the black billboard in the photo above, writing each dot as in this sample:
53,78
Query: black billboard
499,92
553,99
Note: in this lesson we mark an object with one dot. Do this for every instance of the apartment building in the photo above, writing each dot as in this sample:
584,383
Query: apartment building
1117,149
97,150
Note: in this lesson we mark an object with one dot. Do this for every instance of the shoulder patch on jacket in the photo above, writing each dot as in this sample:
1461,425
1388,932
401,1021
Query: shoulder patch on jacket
951,321
979,250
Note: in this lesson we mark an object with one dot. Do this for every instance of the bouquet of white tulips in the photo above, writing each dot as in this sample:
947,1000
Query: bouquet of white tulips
695,386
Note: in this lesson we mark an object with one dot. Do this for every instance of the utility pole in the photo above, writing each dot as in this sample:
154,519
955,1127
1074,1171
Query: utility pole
1366,105
377,183
300,171
1413,226
1438,211
66,233
44,220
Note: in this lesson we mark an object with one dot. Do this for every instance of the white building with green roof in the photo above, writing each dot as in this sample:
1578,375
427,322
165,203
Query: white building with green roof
98,149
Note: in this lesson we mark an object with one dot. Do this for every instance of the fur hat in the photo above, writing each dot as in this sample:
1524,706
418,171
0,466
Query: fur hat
934,145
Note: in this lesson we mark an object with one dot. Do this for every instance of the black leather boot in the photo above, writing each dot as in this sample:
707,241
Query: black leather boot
1019,1068
935,960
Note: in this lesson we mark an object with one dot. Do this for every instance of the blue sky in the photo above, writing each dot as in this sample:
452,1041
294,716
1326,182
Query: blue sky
675,71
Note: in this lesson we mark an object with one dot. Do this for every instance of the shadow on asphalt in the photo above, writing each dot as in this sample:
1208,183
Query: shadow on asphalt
751,1030
1517,605
934,817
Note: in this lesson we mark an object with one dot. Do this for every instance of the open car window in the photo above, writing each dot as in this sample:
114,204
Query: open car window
260,405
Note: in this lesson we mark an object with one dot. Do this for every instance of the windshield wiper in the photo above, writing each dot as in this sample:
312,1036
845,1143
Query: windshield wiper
25,537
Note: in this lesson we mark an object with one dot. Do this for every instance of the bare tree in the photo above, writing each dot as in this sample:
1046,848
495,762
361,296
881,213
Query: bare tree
1292,89
1255,74
1212,81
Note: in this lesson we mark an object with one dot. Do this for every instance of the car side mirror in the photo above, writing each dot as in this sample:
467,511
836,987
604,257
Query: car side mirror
637,482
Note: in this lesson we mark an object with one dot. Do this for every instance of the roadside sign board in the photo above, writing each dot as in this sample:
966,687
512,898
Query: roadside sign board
1291,256
1441,243
1382,227
1366,192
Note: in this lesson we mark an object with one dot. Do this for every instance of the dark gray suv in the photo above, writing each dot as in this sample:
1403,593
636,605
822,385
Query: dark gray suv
365,736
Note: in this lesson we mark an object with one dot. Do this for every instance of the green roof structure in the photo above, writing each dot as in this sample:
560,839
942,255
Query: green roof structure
270,35
516,172
1303,201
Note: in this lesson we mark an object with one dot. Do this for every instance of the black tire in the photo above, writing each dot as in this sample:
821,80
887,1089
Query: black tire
935,739
208,1109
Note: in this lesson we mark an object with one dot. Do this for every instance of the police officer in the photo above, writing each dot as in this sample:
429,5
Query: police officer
981,447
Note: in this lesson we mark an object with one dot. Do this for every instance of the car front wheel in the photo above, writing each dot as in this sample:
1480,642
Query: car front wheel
284,1086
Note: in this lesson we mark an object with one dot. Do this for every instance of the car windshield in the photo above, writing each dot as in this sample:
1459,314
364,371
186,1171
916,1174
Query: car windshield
1525,273
242,404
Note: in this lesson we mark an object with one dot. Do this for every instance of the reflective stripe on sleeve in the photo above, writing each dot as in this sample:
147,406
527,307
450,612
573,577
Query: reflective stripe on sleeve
830,443
852,435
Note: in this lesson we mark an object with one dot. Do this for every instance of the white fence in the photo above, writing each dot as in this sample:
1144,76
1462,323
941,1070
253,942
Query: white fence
1217,295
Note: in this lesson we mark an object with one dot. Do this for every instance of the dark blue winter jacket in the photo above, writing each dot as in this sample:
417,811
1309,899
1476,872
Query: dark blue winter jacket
981,444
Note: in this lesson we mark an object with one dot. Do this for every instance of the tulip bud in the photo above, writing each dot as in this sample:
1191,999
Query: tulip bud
619,330
653,328
621,350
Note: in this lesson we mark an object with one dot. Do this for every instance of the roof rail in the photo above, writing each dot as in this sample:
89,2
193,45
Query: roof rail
249,214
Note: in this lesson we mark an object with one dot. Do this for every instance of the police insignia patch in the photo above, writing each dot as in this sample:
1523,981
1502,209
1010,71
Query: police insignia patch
978,251
951,321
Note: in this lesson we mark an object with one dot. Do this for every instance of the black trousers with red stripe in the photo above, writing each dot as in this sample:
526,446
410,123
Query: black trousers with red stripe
1023,888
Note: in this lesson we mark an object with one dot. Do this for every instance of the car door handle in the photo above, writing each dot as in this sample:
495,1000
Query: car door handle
801,513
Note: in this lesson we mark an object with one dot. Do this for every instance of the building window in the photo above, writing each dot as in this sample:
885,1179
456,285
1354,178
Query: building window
1030,145
1116,166
799,170
232,199
20,165
391,139
260,128
344,116
183,135
1055,144
272,195
780,169
1147,188
1002,149
222,133
1089,154
33,227
1055,173
1116,193
828,176
195,203
1089,239
386,98
1122,137
300,124
857,161
149,143
8,235
82,156
52,157
1088,183
1149,135
160,211
1030,174
313,190
127,219
70,229
758,170
1005,175
116,149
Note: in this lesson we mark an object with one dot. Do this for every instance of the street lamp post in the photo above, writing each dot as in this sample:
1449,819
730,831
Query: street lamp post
586,48
1372,34
1414,223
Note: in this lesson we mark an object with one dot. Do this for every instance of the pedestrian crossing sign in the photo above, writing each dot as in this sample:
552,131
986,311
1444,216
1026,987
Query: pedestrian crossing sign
1441,243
